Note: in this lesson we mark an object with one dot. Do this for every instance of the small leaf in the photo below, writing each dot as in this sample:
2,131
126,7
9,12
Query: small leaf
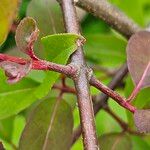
142,120
138,59
49,127
14,71
26,34
115,141
7,14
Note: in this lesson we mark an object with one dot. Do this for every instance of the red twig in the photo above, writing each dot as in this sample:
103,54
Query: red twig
41,64
120,100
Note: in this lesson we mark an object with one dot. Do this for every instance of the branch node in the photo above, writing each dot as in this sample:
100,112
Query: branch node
75,67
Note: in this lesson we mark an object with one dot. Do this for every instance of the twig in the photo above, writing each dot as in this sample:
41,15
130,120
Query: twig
120,100
81,80
41,65
111,15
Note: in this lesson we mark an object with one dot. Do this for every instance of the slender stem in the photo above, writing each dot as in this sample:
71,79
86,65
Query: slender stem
69,70
120,100
110,14
81,80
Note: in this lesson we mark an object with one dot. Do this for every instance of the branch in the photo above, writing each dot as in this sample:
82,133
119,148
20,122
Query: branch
81,80
69,70
125,26
111,15
101,100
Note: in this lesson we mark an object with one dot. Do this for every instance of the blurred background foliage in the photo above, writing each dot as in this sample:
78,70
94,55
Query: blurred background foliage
105,53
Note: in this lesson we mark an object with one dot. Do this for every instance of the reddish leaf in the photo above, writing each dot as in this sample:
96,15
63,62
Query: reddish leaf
14,71
26,34
142,120
138,59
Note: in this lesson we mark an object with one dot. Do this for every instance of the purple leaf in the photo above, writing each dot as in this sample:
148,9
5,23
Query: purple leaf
138,59
14,71
142,120
26,34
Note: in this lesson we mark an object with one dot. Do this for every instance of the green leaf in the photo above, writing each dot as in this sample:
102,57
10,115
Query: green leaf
14,127
105,123
139,143
93,25
127,6
58,48
115,141
6,129
8,9
57,45
49,127
19,124
106,50
14,98
23,8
